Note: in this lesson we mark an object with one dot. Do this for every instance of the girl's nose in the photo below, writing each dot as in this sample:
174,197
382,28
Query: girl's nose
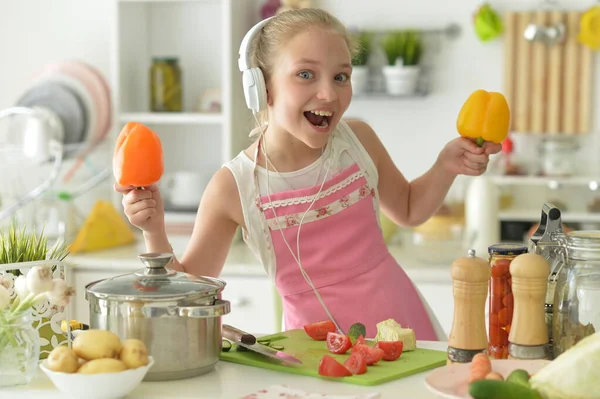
327,92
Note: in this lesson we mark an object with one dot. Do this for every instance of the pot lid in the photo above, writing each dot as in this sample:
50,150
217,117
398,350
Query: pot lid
156,282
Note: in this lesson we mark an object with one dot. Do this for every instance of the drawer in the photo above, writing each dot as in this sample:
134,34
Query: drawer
253,304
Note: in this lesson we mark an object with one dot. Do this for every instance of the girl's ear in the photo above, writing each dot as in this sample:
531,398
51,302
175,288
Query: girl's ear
269,98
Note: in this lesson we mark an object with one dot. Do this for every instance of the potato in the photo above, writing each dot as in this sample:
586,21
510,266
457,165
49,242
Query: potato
63,359
97,344
105,365
134,353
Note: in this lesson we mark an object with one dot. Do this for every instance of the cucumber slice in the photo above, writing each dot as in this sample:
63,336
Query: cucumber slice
225,345
277,347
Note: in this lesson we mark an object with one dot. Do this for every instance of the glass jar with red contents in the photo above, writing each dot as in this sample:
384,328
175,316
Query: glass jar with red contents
501,303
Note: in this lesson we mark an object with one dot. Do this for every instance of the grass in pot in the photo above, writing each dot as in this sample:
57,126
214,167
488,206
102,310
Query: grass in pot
403,50
360,69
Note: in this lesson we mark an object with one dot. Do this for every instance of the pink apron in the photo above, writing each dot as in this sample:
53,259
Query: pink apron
343,252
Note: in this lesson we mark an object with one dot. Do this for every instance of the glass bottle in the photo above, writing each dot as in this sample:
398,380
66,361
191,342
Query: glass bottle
165,85
501,303
577,291
19,350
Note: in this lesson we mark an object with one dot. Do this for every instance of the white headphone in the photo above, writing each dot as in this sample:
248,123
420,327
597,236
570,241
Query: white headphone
253,81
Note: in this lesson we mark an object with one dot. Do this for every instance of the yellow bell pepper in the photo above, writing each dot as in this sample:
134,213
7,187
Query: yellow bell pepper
485,116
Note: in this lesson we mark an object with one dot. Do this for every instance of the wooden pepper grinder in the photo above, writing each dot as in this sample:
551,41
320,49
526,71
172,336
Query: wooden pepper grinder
528,337
468,336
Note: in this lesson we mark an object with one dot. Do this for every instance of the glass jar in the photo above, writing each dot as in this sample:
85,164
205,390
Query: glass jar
577,291
559,156
501,304
19,350
165,85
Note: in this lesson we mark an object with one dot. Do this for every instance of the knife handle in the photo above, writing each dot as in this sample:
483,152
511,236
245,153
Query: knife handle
235,334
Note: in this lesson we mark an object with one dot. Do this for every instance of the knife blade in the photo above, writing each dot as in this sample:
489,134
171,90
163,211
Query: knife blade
242,338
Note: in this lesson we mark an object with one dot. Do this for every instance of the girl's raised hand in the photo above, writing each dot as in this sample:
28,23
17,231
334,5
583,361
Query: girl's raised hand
143,208
462,156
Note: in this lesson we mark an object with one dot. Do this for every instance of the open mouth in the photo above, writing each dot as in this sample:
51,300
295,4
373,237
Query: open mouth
319,118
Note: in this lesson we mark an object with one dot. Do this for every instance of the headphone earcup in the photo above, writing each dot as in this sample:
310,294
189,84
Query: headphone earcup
255,91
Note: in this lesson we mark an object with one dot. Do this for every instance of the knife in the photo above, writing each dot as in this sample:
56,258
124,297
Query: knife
248,341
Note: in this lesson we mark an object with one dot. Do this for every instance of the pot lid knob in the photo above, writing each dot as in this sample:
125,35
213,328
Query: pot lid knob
156,263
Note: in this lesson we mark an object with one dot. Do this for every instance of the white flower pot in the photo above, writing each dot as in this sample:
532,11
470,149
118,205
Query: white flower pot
401,80
359,79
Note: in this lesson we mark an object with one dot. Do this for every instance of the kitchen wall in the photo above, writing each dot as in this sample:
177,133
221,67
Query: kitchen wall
35,32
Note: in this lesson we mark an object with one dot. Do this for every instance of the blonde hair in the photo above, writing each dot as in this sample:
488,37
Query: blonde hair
279,30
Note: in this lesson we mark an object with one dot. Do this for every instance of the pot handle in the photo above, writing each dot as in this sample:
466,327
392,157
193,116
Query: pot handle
220,308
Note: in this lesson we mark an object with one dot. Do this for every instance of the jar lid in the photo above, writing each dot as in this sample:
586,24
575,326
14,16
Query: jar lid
171,60
156,282
507,249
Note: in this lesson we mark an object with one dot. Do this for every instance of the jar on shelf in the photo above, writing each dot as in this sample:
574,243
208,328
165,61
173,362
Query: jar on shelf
501,302
559,156
165,85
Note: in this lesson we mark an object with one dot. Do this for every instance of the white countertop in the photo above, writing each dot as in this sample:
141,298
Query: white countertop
233,381
241,261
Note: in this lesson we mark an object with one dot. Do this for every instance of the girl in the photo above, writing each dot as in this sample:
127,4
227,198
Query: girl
307,192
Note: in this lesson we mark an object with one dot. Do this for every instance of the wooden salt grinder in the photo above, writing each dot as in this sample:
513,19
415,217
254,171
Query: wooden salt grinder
468,335
528,337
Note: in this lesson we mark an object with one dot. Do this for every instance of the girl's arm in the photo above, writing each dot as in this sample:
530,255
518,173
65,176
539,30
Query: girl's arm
219,215
410,204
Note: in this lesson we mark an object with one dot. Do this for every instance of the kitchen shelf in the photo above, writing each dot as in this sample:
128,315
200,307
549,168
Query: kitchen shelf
184,118
535,215
546,180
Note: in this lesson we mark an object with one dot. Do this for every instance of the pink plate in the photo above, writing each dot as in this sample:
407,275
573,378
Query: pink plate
452,381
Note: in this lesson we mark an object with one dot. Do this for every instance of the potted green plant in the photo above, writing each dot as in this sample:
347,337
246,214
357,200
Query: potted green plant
360,69
403,51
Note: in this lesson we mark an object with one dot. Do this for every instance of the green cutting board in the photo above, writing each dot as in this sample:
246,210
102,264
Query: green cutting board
297,343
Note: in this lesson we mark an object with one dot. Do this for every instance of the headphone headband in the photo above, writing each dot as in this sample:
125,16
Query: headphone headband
246,46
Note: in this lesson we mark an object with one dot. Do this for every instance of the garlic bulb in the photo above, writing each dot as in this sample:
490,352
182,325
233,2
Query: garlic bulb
61,293
39,279
4,297
21,287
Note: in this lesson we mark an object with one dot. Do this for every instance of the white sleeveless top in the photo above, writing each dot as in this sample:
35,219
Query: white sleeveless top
343,149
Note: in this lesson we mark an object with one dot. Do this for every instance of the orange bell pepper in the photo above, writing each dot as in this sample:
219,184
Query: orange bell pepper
485,116
138,156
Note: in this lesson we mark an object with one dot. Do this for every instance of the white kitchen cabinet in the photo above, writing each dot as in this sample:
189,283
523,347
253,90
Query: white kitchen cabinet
79,278
253,304
205,36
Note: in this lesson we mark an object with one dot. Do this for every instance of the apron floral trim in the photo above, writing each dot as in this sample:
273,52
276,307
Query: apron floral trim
293,219
309,198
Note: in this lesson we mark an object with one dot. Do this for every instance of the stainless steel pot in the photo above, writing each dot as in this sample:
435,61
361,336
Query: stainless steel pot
177,315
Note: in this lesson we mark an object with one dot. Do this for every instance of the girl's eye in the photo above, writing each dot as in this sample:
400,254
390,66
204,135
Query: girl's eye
342,77
305,75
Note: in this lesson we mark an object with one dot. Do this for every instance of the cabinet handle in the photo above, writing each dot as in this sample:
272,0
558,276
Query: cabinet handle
240,302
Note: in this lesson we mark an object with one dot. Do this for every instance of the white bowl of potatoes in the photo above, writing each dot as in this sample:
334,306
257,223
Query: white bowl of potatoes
98,366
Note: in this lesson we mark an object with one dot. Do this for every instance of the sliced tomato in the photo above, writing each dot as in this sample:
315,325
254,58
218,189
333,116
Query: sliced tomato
329,367
360,340
391,349
338,343
371,354
318,331
356,363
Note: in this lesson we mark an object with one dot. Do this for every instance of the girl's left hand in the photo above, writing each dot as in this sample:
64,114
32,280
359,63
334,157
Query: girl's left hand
462,156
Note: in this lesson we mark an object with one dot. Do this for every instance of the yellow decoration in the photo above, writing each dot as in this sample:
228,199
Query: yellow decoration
104,228
589,28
